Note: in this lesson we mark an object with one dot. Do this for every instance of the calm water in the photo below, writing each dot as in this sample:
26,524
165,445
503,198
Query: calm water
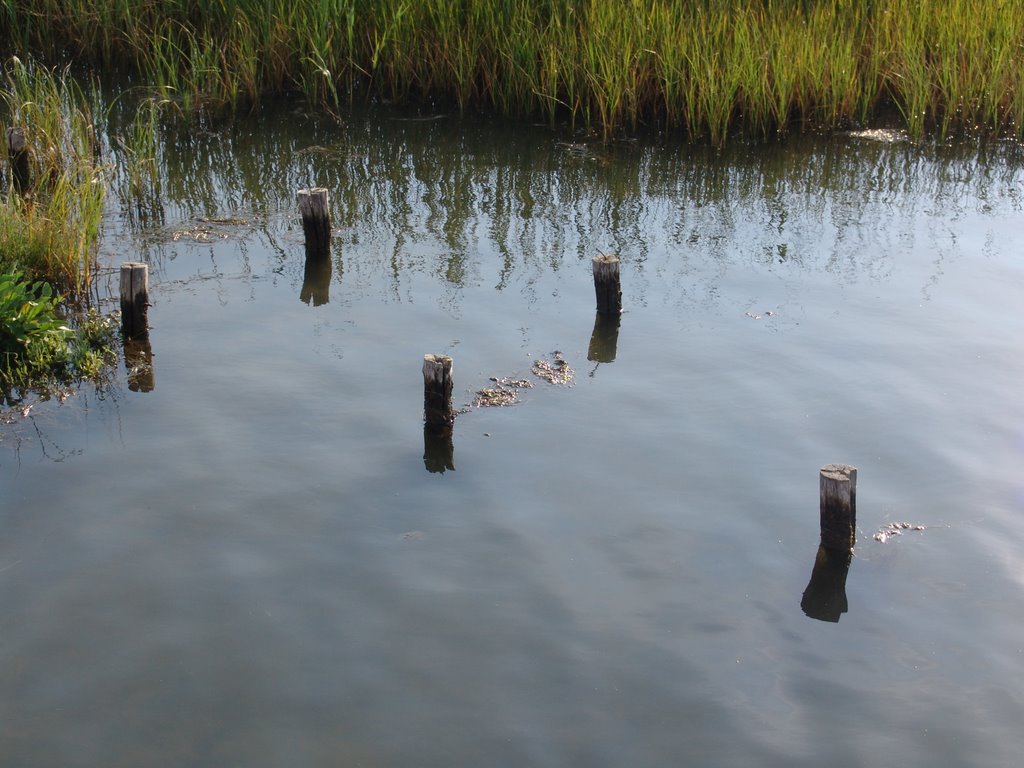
250,565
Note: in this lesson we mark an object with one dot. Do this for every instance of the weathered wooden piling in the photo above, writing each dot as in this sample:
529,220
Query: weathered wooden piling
606,284
437,390
824,598
18,153
838,506
605,338
134,300
316,221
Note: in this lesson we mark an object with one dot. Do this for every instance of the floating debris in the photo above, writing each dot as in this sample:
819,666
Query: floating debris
205,230
199,234
505,393
229,221
317,149
556,372
496,396
413,536
506,389
576,148
886,532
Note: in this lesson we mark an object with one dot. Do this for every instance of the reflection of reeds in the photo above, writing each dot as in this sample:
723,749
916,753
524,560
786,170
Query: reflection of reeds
51,230
706,68
139,148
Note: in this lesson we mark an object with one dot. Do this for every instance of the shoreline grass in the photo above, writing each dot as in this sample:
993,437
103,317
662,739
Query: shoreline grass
706,68
50,230
49,337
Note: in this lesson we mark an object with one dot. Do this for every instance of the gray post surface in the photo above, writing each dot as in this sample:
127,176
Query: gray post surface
606,285
316,221
838,506
437,390
17,149
134,299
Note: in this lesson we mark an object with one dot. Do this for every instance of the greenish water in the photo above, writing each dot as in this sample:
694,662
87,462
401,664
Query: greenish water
244,560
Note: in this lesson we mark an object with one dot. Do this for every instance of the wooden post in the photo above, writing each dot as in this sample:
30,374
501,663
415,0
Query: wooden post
134,299
17,149
824,598
437,390
316,221
606,285
838,507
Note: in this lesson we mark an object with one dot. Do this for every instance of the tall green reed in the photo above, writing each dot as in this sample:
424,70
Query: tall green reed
50,231
708,68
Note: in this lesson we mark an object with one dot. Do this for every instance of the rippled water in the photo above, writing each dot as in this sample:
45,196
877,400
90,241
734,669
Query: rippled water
249,563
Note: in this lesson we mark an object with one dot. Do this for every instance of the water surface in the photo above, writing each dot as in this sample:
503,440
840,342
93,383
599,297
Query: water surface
246,562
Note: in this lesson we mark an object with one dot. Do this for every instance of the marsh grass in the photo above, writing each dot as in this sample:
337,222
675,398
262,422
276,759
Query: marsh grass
50,232
49,336
708,68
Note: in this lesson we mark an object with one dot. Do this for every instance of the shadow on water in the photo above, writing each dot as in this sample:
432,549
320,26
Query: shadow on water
824,598
138,363
316,279
605,338
438,448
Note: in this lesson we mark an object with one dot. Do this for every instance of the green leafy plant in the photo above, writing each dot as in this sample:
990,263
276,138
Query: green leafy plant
29,320
38,350
92,351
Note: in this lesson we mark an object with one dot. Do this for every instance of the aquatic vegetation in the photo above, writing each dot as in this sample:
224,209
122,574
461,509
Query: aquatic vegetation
504,392
49,225
555,372
709,69
28,316
38,348
50,229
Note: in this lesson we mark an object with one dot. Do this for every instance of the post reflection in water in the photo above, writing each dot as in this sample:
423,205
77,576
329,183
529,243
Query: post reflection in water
316,279
824,598
138,362
438,448
605,338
